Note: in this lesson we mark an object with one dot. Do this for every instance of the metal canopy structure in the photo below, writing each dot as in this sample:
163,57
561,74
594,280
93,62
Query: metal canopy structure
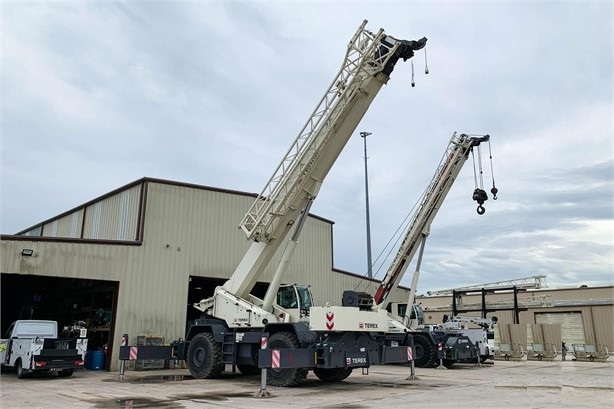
533,282
515,285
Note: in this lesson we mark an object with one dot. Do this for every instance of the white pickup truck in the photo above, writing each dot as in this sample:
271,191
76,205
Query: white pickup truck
33,346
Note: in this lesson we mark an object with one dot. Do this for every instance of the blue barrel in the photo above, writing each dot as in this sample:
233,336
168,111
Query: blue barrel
88,360
97,360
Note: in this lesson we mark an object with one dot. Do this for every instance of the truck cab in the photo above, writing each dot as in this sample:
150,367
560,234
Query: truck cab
398,311
296,300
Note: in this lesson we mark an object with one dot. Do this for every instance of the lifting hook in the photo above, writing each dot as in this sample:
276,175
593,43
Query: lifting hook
480,196
494,192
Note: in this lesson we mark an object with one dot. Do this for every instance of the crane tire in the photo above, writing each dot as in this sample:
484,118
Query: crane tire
332,375
204,357
289,376
448,363
426,352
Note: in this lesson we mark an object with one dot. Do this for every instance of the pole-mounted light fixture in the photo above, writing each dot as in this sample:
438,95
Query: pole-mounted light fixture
369,263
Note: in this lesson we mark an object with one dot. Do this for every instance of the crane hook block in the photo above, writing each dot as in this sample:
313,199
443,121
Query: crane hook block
480,196
494,192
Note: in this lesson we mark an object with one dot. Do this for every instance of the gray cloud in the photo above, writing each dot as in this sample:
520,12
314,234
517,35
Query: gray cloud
96,95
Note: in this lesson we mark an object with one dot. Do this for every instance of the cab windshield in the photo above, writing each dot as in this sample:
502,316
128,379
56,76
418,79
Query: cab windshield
295,297
305,297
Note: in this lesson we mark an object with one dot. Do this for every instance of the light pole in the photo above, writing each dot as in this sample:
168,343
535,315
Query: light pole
369,264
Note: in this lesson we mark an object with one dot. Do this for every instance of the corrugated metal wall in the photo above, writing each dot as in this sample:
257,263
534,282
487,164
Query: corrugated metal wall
113,217
603,322
67,226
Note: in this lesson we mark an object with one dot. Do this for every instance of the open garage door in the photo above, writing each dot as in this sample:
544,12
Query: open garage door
572,326
65,300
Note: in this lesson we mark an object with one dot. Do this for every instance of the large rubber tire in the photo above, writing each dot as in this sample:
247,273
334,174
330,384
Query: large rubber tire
20,372
332,375
426,352
204,357
249,369
448,363
285,377
65,373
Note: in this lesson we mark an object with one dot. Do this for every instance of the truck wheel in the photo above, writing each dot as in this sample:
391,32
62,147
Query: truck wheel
65,373
285,377
249,369
448,363
20,372
204,357
333,374
425,352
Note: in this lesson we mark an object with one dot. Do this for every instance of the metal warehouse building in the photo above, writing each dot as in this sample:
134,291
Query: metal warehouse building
134,260
586,314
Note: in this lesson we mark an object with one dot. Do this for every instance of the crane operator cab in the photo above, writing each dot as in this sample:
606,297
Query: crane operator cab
296,300
415,315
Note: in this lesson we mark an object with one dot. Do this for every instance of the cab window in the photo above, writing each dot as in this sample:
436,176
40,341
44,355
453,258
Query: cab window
286,298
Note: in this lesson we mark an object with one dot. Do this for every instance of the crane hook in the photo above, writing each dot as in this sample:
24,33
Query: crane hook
494,192
480,196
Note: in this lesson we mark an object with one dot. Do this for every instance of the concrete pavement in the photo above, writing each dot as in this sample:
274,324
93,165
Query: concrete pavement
503,385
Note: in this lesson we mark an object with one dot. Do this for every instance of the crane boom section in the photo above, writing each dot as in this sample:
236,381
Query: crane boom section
367,56
533,282
452,162
369,60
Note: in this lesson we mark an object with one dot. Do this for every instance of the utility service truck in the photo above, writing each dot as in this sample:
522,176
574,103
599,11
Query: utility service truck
284,331
32,346
480,335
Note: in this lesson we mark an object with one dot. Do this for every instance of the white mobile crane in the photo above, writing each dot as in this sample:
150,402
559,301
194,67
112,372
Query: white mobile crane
330,340
427,340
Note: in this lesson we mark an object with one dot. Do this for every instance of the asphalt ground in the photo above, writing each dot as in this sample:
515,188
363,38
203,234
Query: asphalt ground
501,385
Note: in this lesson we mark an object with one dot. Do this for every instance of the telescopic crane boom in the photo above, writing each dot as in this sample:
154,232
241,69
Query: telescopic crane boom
419,226
370,59
428,340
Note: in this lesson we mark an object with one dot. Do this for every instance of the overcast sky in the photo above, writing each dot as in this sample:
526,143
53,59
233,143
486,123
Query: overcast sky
98,94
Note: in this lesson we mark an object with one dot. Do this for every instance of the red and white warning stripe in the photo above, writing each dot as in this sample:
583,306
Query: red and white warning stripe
330,320
275,358
410,355
264,342
133,353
